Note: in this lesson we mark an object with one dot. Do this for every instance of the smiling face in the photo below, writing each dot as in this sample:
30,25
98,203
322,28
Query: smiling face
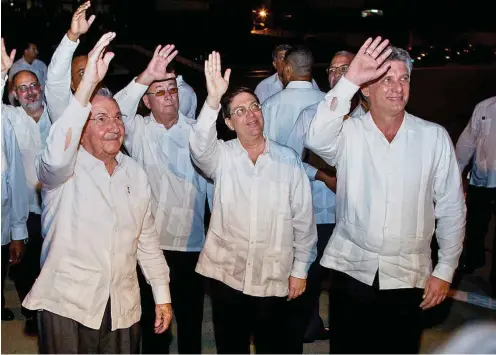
28,91
390,93
246,117
103,137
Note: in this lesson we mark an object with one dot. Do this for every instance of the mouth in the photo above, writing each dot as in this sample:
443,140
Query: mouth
112,137
395,98
253,123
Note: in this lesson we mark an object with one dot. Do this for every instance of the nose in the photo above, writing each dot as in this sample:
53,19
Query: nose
396,86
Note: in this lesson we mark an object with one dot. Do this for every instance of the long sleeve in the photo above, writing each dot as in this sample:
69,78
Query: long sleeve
55,164
18,194
58,82
466,145
151,259
449,210
8,111
204,146
304,228
128,100
324,131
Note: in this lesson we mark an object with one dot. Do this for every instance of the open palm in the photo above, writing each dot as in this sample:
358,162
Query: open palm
366,66
216,84
98,62
7,60
157,68
79,24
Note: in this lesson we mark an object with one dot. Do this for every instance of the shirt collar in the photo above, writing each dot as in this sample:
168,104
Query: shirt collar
298,84
241,150
407,125
181,120
90,162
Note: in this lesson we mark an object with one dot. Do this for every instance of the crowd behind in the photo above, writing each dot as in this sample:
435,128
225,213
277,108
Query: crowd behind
103,205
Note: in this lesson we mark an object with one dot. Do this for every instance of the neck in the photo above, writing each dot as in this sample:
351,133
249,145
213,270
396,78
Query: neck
388,124
36,115
168,119
28,60
302,78
253,145
108,160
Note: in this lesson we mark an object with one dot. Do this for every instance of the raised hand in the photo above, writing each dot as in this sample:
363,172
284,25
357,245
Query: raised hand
79,24
216,84
7,60
98,62
156,69
366,66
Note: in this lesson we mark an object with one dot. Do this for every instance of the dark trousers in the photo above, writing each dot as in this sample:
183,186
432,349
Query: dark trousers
61,335
481,204
237,316
187,294
304,318
366,320
25,273
5,267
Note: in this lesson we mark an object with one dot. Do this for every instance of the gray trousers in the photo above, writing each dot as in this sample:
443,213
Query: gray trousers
61,335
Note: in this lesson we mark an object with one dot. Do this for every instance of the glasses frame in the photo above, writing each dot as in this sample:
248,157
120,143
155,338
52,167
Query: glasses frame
159,93
254,104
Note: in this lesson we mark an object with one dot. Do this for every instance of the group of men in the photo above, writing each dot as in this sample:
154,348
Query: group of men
345,180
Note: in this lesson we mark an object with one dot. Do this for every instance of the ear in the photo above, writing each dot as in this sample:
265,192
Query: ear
146,101
365,91
73,88
274,64
229,123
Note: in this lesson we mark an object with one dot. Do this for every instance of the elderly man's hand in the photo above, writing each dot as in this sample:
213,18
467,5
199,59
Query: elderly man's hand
157,68
435,292
163,317
16,250
79,24
216,84
7,60
296,287
366,66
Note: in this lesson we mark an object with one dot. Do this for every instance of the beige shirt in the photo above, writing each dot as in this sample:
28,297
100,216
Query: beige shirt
262,228
96,227
389,195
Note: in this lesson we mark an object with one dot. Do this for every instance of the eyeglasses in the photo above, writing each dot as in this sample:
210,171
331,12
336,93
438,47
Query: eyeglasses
241,111
171,90
334,70
102,119
32,86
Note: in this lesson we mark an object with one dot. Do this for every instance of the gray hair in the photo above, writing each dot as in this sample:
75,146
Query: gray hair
277,49
104,91
344,54
300,59
399,54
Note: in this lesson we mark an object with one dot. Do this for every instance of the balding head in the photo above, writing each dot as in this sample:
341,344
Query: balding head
27,91
339,65
298,64
77,70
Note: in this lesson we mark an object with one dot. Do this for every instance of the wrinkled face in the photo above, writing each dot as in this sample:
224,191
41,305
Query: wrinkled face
28,91
77,70
104,132
31,53
162,97
278,63
389,94
337,68
246,116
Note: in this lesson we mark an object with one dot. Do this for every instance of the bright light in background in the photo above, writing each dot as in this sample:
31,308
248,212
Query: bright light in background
262,13
372,12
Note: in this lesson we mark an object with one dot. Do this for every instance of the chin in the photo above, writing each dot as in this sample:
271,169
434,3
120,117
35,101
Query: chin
112,148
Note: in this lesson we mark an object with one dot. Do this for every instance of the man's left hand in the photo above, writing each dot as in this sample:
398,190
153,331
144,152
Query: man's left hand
435,292
296,287
157,68
163,317
16,250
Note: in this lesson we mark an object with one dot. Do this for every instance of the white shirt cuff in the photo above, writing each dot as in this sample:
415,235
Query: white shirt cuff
444,272
161,294
300,270
18,233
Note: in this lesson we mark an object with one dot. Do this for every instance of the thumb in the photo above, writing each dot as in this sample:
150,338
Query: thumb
227,75
12,54
426,289
91,19
158,319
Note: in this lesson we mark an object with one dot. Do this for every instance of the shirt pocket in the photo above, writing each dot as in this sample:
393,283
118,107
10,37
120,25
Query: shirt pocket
486,126
78,289
277,265
220,254
129,299
180,222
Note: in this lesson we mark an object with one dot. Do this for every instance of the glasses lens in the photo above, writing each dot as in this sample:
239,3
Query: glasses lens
255,107
160,93
173,91
240,111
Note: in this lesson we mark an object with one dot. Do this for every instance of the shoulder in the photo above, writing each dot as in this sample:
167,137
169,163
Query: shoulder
427,127
487,104
283,153
266,82
134,170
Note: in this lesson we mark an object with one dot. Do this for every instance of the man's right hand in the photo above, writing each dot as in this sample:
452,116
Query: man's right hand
7,60
216,83
79,24
366,66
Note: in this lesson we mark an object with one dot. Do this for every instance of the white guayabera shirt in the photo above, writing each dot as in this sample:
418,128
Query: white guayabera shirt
271,86
262,228
389,195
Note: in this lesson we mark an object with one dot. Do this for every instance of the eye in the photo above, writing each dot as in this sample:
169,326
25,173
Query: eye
240,111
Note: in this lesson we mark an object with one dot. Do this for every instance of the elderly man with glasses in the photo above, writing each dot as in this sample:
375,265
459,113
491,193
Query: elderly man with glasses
262,235
31,125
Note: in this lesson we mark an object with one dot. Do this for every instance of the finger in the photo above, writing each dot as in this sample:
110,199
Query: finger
108,57
91,19
170,57
157,50
166,50
385,55
217,56
227,75
210,63
428,301
382,70
374,45
100,46
291,294
4,51
12,54
158,320
380,48
365,46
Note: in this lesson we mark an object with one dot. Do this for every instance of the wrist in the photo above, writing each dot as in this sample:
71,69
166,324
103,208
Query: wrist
145,79
72,36
213,102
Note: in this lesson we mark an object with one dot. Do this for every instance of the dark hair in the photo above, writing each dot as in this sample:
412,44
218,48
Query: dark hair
277,49
301,60
24,71
26,45
226,100
172,67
